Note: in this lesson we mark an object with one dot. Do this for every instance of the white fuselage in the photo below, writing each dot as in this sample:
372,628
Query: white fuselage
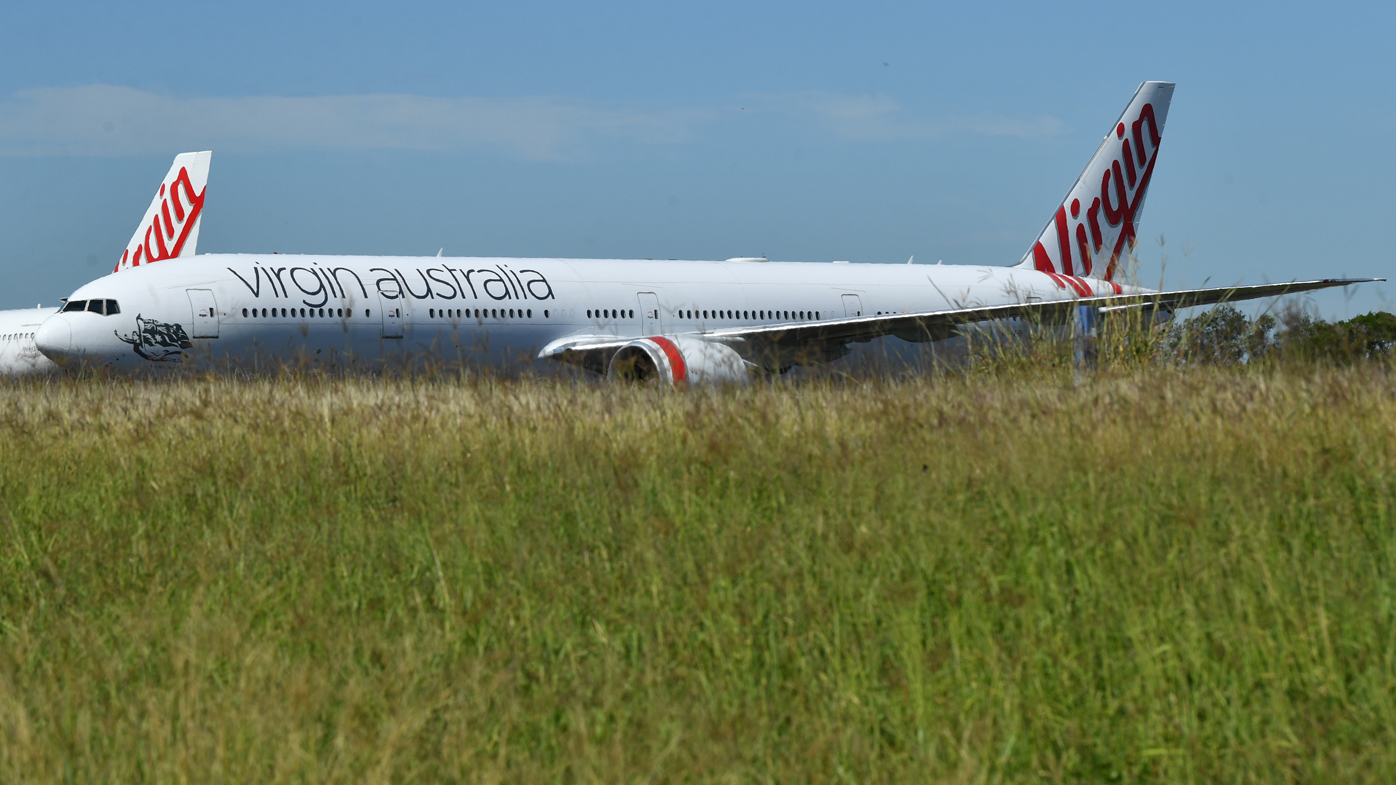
362,309
18,354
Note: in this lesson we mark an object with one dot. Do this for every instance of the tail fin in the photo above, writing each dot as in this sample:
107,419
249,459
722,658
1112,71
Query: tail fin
170,228
1100,214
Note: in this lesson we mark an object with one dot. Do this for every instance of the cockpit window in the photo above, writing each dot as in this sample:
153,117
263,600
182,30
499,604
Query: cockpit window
106,307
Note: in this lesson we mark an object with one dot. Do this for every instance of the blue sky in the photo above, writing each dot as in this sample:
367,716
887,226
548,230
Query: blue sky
802,131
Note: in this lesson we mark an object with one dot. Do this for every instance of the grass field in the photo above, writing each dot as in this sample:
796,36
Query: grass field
1161,575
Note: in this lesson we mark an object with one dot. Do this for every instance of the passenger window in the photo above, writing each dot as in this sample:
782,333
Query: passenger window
545,314
530,313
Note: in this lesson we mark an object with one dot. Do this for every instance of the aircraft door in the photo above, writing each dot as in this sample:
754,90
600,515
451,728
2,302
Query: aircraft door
650,323
205,313
852,305
392,316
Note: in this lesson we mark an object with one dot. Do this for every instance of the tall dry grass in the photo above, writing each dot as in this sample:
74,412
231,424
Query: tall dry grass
1141,575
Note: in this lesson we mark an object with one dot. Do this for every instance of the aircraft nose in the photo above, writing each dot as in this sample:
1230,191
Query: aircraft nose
54,338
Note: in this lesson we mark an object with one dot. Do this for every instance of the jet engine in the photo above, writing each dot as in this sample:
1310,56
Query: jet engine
679,360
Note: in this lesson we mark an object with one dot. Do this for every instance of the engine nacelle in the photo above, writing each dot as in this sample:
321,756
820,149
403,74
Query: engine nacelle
679,360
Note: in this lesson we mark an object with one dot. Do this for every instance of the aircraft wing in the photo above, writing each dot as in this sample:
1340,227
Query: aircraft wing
936,325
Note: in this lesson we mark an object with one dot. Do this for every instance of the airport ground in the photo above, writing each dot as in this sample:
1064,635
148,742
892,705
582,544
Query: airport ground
1013,574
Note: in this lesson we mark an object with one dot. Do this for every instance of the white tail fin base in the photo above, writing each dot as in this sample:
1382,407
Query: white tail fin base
170,228
1100,214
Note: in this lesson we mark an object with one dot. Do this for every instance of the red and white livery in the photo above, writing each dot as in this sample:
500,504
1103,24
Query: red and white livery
170,228
1097,223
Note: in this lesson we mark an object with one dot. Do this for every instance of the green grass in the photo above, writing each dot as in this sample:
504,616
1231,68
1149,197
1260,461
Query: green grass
1153,576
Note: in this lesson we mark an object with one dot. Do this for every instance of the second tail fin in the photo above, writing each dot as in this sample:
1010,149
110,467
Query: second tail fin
170,228
1096,222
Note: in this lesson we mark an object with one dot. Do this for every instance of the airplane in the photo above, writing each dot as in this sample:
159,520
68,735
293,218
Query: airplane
18,354
677,322
170,229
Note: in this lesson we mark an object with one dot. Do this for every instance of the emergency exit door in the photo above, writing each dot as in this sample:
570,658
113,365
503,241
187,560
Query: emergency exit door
391,311
205,313
650,323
